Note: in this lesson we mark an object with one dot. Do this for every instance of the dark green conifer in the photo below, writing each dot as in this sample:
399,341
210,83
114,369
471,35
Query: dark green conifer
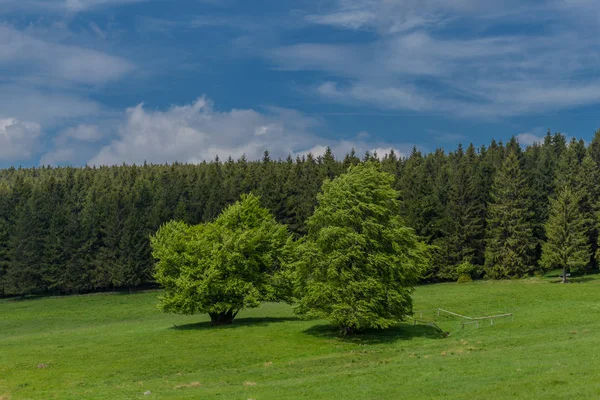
509,239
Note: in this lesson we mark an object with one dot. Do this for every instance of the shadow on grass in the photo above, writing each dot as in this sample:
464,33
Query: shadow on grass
30,297
373,336
577,279
112,292
237,323
588,274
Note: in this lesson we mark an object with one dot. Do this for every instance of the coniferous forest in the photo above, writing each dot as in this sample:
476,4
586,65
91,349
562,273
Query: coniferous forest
506,210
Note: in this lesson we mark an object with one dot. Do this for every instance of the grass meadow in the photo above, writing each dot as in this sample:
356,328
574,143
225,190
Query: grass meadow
119,346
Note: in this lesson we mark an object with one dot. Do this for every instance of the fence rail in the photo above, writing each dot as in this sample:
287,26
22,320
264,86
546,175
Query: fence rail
469,320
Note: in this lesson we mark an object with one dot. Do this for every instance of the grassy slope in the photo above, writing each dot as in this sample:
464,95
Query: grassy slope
119,346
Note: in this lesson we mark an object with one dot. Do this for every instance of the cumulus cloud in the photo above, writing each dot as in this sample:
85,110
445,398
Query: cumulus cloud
197,132
84,133
18,139
528,138
60,156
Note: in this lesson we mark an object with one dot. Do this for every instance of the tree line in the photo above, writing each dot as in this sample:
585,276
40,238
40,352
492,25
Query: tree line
495,207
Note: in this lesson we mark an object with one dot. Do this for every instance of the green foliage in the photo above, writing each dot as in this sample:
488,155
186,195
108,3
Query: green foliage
76,230
359,263
466,269
510,242
567,243
222,267
464,218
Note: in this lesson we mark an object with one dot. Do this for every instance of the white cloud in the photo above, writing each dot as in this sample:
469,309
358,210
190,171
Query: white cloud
84,133
196,132
349,19
71,6
74,146
35,57
49,82
45,107
392,16
407,98
81,5
437,56
59,156
18,139
528,138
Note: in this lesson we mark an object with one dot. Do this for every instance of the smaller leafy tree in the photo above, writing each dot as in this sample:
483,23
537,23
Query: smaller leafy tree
465,272
359,263
566,246
224,266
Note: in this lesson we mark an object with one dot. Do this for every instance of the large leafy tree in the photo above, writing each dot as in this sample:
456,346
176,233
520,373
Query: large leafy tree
567,245
222,267
510,241
359,262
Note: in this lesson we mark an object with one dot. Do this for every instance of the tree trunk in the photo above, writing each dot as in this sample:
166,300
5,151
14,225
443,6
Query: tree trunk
348,330
564,277
222,318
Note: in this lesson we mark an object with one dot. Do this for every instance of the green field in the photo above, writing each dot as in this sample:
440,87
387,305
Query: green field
118,346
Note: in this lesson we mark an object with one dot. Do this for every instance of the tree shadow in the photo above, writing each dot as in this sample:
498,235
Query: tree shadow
378,336
587,275
577,279
582,279
237,323
65,294
27,298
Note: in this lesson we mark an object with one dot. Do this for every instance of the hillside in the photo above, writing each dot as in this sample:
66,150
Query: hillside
118,346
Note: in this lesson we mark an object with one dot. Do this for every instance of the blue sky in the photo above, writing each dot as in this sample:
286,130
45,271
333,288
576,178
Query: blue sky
112,81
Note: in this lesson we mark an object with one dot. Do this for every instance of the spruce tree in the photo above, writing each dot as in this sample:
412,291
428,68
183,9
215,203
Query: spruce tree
510,241
594,148
567,245
412,192
5,232
463,218
587,188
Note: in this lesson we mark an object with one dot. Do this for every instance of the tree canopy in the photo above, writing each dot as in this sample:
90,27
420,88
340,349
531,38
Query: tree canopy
222,267
359,262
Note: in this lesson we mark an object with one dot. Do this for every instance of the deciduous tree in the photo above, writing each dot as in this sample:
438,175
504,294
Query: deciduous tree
222,267
359,263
